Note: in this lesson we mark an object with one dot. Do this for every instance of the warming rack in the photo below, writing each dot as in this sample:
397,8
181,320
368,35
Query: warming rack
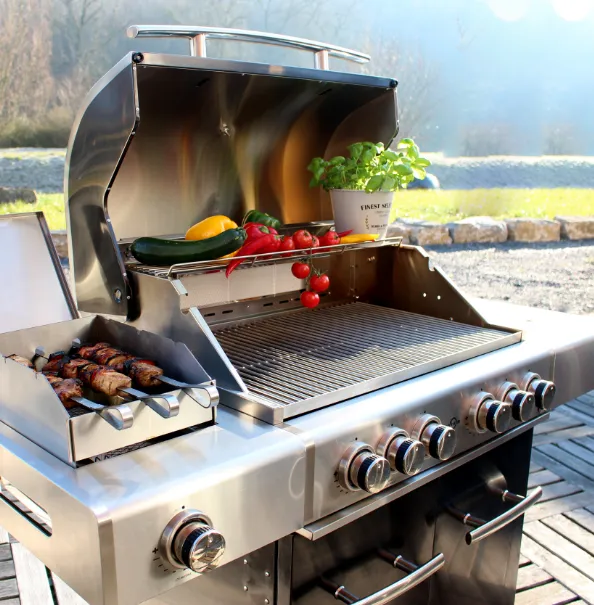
174,271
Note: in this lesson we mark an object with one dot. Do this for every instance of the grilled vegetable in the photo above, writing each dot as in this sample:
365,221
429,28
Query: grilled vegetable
155,251
210,227
255,216
357,238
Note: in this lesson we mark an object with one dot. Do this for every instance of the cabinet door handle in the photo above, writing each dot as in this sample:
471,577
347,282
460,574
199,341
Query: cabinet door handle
483,529
397,589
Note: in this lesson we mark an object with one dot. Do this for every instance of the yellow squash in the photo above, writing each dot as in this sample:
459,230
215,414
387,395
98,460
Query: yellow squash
357,238
210,227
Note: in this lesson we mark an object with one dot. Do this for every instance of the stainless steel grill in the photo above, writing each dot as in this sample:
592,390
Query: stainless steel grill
308,358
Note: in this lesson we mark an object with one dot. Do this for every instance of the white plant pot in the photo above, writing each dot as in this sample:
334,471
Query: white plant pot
362,212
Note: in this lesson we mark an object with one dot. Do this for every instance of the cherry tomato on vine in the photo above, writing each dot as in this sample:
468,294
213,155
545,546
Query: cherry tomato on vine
310,299
319,283
300,270
331,238
302,239
315,242
287,245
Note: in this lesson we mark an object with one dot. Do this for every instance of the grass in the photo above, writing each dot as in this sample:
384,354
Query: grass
52,205
445,206
438,206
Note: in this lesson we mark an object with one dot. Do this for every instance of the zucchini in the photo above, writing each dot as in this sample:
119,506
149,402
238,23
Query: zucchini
160,252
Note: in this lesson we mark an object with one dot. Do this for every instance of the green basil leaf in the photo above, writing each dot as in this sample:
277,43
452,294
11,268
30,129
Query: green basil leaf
374,183
422,163
391,155
389,184
336,160
419,173
403,169
405,143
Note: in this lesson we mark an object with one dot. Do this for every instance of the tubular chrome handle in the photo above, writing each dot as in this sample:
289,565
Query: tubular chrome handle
118,416
386,595
166,405
487,528
198,36
205,394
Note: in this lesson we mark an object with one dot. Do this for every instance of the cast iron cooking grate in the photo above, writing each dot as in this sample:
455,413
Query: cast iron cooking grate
337,352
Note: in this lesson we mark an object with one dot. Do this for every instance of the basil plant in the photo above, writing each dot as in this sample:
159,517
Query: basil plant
370,167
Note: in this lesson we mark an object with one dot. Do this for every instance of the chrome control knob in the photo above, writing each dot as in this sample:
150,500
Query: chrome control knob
523,403
543,390
361,468
190,541
487,414
439,440
404,454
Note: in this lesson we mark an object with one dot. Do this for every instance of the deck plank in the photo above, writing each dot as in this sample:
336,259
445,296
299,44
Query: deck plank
558,422
7,570
575,449
8,589
552,593
567,459
558,464
571,531
559,569
532,576
32,577
578,432
582,517
567,551
580,406
558,490
543,477
555,507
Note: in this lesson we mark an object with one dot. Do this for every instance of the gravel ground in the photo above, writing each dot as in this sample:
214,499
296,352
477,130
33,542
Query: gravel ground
558,276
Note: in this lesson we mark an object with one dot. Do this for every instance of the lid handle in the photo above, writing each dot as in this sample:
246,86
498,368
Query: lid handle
198,36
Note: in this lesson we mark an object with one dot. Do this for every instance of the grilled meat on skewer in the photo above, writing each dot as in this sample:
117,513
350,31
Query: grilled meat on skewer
22,360
72,367
66,389
88,351
104,379
56,362
143,372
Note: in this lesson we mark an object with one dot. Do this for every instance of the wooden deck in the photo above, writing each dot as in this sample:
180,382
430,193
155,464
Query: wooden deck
557,564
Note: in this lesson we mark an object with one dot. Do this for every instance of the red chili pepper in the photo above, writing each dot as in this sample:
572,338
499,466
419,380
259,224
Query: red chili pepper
252,247
345,233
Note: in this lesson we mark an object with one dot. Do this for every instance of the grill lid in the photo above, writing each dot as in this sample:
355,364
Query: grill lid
33,287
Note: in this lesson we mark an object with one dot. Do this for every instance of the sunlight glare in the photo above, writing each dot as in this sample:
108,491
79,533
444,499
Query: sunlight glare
573,10
511,10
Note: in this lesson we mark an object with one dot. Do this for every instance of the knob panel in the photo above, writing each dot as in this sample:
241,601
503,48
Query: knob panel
405,455
487,414
189,541
361,468
439,440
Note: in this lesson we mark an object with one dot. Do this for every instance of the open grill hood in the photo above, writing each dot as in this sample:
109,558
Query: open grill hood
163,141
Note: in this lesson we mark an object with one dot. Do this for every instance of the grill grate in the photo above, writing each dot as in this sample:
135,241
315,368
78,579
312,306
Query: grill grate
317,355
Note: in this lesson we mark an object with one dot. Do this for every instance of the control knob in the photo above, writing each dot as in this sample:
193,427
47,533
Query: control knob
523,403
487,414
543,390
439,440
404,454
361,468
189,540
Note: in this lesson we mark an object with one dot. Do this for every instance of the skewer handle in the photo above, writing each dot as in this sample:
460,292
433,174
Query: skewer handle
167,406
205,394
118,416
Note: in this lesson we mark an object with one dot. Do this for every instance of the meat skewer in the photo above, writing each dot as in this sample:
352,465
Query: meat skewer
67,389
143,372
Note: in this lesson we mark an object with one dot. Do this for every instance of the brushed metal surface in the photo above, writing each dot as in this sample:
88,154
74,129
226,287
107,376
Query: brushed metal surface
33,286
444,393
306,360
237,472
100,135
29,404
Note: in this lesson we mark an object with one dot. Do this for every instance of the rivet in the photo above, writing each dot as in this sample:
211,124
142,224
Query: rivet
245,588
267,574
266,601
245,561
